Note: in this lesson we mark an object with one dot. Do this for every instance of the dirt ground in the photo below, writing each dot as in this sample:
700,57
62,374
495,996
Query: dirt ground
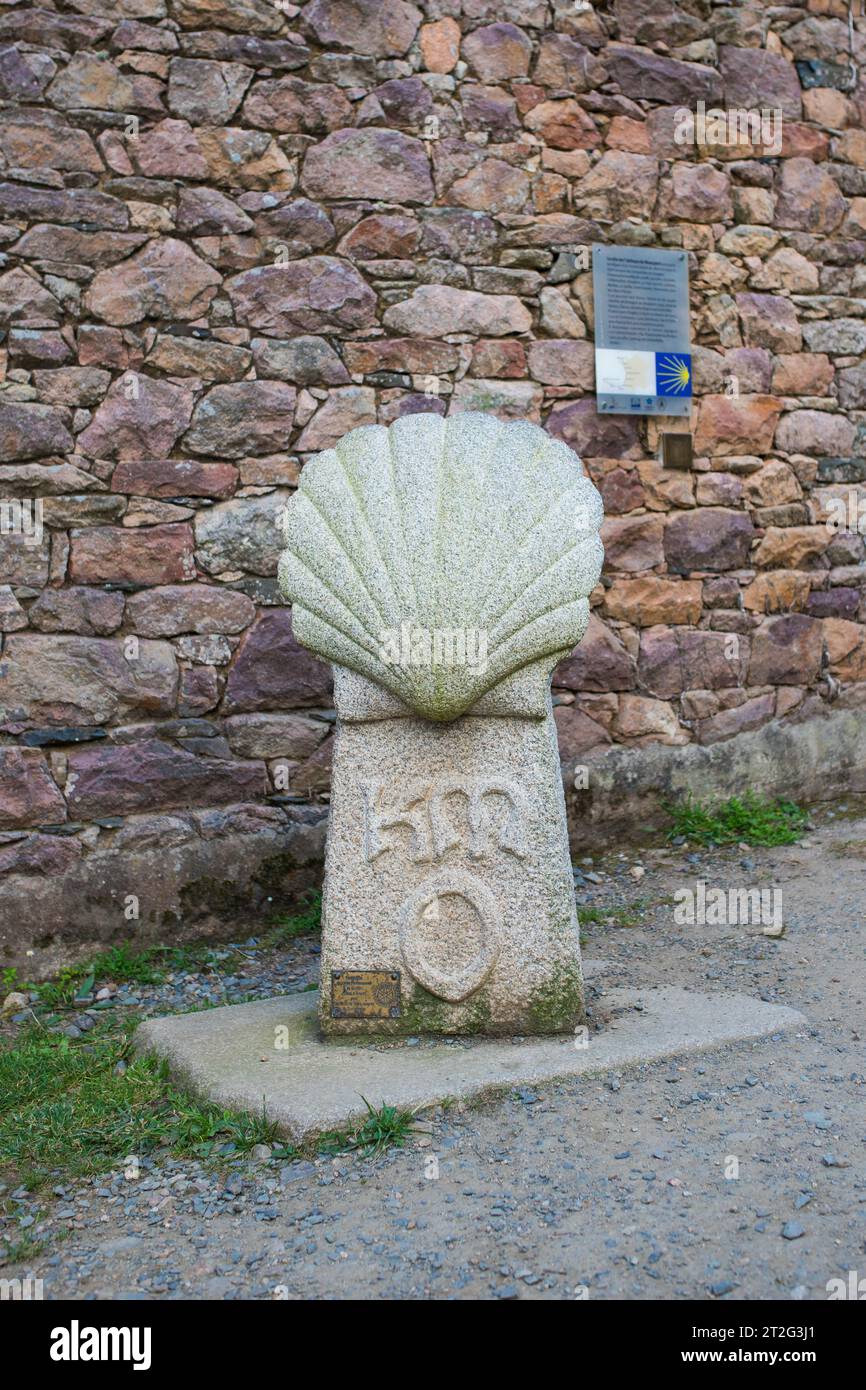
738,1173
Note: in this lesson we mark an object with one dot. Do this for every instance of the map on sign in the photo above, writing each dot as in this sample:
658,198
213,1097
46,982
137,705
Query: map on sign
643,361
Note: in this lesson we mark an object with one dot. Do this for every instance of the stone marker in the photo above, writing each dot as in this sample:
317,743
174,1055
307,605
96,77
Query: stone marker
444,567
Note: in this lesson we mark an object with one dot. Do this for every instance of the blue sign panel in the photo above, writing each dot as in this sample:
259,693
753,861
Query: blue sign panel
643,363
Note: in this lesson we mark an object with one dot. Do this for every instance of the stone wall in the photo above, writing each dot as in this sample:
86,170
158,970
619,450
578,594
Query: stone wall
232,230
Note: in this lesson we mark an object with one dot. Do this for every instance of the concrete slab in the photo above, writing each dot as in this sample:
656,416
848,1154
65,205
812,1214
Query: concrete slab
269,1053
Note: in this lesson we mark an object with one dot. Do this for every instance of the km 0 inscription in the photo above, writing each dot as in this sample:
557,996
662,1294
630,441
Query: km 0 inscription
480,815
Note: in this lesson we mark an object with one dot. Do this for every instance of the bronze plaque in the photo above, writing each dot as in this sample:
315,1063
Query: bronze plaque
365,994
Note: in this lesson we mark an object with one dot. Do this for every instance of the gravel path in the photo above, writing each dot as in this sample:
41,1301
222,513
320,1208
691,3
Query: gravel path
613,1187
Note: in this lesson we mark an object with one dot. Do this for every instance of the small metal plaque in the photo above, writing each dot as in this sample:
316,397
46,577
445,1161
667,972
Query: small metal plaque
365,994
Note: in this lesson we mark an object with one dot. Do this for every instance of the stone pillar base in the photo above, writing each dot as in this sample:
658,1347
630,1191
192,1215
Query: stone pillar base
449,900
310,1084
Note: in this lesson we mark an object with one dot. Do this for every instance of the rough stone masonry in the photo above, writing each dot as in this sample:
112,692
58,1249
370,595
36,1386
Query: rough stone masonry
231,232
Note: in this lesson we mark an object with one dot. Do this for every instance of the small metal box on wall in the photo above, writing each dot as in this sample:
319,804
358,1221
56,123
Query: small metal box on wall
677,450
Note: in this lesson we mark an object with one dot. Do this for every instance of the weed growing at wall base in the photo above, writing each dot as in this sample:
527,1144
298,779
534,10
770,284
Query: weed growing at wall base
749,819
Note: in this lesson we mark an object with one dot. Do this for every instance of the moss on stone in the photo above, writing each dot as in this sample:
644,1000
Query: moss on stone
428,1014
425,1013
275,886
224,897
478,1014
271,874
558,1006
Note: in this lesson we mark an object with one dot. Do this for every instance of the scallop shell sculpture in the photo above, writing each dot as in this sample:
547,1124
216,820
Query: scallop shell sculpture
466,524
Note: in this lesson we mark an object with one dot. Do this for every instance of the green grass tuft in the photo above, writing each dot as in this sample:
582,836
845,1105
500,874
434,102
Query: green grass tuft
624,915
384,1128
150,965
17,1251
749,819
122,964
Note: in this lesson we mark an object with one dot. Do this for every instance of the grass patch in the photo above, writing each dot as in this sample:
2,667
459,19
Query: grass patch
67,1108
151,965
122,964
307,919
387,1127
627,915
749,819
18,1251
68,1111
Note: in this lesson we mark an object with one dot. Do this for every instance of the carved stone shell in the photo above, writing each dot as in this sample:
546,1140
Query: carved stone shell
480,534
